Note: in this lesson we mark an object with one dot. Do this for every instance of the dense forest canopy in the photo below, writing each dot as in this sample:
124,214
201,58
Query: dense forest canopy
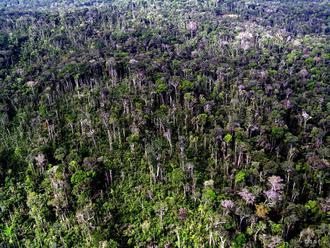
135,123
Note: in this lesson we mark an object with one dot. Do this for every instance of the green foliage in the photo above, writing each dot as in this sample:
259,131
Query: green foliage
8,231
59,154
239,241
276,228
312,206
324,242
133,138
186,85
292,56
240,176
289,138
228,138
80,176
278,132
210,195
161,86
301,167
43,111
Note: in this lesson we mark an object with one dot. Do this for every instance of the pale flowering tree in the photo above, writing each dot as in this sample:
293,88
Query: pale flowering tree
271,241
276,183
325,206
227,204
308,238
192,27
182,214
247,196
245,40
31,83
287,104
209,183
168,137
41,161
303,73
305,117
273,196
275,193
